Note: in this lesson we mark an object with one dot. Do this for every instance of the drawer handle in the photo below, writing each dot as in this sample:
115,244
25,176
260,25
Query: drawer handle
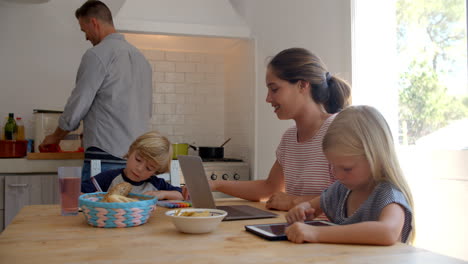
18,185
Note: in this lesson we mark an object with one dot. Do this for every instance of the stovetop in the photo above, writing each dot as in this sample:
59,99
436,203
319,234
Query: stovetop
222,160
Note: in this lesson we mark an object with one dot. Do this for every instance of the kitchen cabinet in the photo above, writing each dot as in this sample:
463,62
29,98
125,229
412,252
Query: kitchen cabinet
24,182
2,211
21,190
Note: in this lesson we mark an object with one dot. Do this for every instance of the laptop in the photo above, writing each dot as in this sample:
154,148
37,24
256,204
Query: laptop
200,192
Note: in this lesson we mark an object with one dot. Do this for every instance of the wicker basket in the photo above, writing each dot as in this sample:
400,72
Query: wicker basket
116,214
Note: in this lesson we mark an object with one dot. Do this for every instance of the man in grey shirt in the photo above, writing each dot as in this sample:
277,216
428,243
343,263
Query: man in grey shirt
113,92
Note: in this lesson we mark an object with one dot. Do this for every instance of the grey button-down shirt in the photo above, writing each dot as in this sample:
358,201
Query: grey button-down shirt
113,96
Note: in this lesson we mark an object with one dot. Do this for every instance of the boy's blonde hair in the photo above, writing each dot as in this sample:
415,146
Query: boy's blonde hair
155,147
362,130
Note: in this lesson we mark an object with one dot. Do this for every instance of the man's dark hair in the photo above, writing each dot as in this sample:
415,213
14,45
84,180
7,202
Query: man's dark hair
96,9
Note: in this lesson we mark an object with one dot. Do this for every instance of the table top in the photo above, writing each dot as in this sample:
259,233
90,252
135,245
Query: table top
39,234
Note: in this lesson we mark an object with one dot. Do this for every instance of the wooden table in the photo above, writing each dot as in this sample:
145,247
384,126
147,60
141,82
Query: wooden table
38,234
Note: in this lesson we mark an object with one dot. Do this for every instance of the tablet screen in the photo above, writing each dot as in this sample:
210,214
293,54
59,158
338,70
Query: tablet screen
279,229
274,229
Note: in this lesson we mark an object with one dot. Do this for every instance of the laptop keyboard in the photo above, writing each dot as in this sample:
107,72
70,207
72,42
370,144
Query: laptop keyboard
232,211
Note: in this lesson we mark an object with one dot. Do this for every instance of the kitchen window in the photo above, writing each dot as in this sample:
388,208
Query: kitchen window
410,62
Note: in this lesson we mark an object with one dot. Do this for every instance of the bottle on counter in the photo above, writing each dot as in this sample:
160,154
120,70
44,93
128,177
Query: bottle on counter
20,129
10,127
2,134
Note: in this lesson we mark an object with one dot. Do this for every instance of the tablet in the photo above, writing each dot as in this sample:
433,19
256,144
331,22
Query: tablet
276,231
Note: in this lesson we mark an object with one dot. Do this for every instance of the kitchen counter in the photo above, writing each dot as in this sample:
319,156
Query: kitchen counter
18,166
39,234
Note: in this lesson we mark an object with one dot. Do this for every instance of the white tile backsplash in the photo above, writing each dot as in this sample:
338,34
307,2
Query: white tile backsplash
169,109
157,77
175,56
205,67
170,99
194,77
153,54
160,87
185,67
164,66
190,100
195,57
174,77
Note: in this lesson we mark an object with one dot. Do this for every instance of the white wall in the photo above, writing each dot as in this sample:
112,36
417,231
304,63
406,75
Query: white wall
188,96
240,102
181,17
203,90
323,27
41,47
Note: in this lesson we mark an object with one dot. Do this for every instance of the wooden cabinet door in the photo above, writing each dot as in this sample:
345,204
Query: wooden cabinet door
2,202
21,190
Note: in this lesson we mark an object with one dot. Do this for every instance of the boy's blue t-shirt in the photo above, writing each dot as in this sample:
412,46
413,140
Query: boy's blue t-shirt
106,178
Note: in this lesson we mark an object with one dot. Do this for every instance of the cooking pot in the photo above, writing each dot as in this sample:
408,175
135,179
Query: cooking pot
211,152
180,149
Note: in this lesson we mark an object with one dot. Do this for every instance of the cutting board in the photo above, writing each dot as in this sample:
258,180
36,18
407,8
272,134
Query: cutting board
55,156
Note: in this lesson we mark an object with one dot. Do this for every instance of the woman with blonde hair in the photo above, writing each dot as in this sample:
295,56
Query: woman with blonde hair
371,202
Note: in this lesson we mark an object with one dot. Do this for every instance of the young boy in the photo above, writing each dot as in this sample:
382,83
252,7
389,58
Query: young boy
149,154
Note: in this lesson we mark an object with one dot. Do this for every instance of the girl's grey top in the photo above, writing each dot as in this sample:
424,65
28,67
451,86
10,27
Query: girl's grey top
333,203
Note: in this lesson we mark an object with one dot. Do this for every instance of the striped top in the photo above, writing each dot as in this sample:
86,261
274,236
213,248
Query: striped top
333,203
305,167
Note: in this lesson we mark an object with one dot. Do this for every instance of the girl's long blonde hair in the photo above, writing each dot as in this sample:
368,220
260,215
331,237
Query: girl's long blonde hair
362,130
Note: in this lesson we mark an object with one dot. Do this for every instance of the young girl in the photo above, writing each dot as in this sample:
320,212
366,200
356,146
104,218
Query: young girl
371,201
149,154
299,88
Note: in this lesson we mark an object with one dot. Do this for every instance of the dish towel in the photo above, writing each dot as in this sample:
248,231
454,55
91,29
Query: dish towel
174,204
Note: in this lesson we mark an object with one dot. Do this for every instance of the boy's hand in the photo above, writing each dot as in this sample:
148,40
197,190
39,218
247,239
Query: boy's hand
185,193
160,195
300,213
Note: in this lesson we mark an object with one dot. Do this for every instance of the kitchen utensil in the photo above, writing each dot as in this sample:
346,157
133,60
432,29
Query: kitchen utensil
211,152
69,179
174,204
13,148
45,123
225,142
117,214
50,148
181,149
55,156
196,224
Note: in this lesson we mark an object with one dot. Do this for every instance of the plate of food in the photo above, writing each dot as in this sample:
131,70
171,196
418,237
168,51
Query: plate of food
196,220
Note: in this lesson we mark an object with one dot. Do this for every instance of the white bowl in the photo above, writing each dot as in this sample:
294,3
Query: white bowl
197,225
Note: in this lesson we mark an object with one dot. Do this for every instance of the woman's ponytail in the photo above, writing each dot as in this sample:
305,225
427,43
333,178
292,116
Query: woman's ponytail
339,93
297,64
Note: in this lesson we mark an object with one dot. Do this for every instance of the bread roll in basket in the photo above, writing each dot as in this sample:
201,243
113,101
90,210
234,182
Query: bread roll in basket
101,209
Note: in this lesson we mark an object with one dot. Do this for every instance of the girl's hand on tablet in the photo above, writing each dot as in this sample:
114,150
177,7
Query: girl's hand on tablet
300,233
300,213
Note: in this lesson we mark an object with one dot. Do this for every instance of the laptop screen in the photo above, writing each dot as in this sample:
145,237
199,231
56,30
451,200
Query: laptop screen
201,196
196,181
